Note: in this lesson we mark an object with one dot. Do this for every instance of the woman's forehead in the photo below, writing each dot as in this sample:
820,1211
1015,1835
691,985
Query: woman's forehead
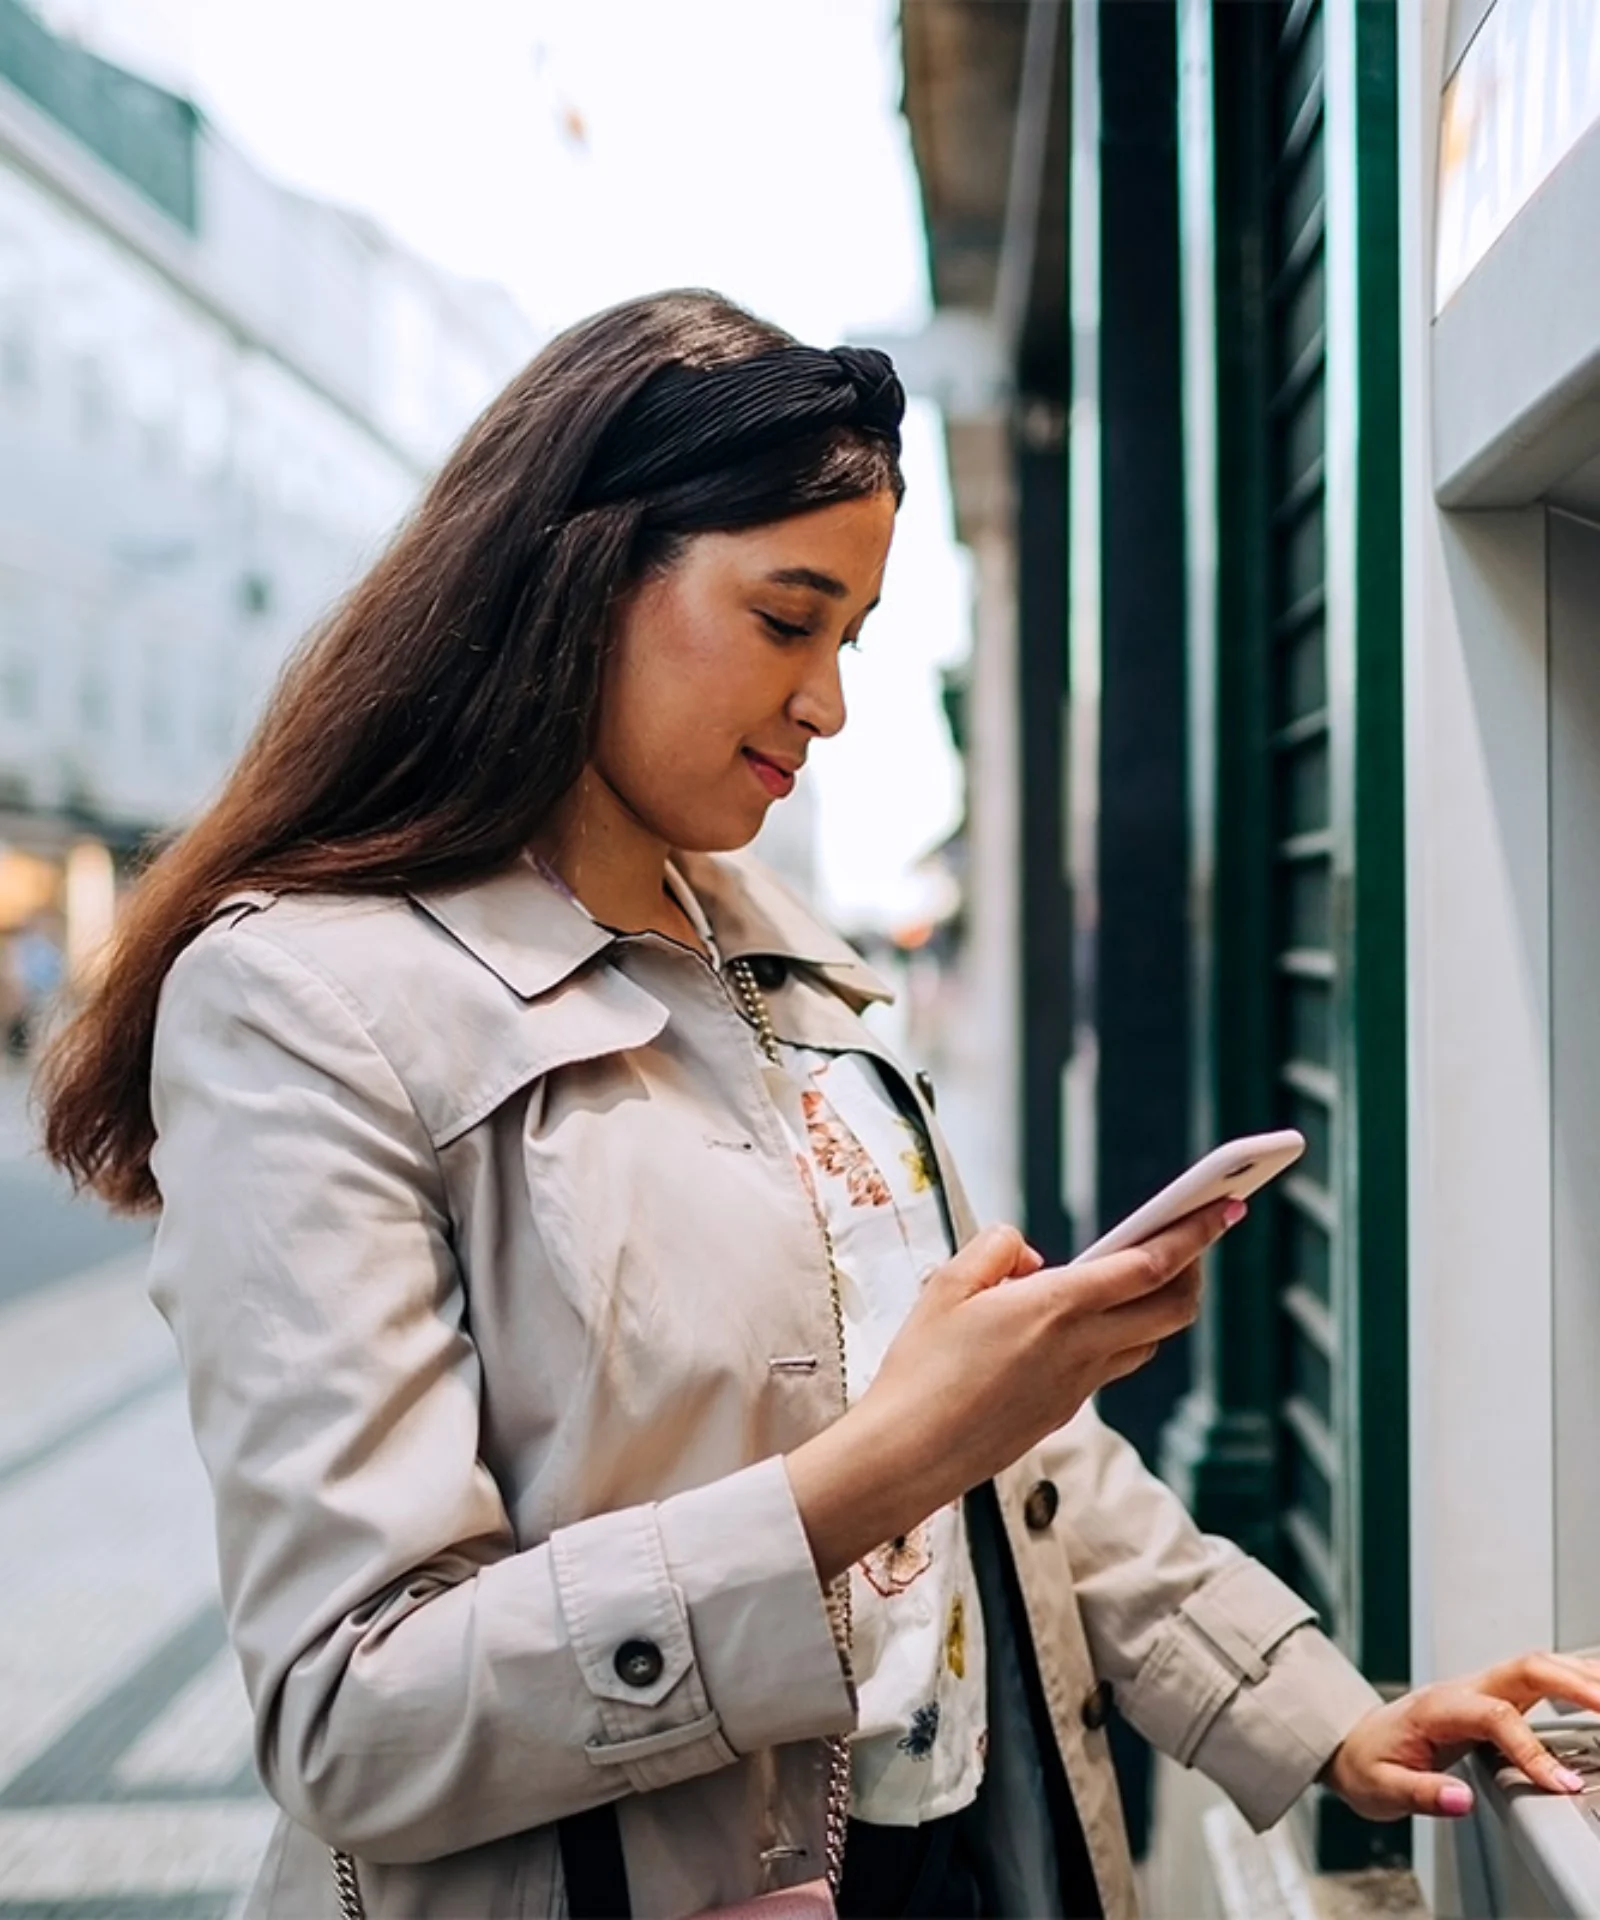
837,552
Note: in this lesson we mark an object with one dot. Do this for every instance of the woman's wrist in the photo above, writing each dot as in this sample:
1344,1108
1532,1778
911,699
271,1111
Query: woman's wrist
858,1483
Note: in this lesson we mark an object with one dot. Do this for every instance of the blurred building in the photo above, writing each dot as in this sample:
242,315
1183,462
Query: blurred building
985,95
1269,337
216,398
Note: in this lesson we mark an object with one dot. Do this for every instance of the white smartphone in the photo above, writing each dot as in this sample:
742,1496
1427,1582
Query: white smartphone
1230,1172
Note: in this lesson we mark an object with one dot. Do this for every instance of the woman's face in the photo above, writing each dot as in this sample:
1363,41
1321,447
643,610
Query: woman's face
726,669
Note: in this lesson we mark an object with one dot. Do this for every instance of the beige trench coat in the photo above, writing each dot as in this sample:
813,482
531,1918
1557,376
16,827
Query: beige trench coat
500,1300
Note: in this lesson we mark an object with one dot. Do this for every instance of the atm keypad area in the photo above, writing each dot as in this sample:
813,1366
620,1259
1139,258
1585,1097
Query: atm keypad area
1579,1750
1529,1853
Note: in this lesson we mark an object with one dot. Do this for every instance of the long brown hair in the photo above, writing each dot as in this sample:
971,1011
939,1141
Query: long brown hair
422,736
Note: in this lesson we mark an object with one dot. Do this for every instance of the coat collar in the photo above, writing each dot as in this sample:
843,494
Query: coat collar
752,912
533,936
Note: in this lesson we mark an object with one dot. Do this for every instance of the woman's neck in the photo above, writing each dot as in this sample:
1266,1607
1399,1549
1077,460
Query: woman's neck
603,853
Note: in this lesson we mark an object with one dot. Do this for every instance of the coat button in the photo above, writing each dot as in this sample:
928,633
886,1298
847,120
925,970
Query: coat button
638,1663
1097,1706
1039,1509
768,970
924,1081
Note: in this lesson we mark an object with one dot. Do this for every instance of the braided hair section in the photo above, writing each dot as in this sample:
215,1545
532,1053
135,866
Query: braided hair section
685,421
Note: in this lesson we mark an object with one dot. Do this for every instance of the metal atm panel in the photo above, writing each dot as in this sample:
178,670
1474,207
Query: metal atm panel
1532,1854
1574,639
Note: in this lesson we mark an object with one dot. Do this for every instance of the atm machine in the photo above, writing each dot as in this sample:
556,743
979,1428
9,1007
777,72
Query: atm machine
1535,1854
1530,1853
1503,715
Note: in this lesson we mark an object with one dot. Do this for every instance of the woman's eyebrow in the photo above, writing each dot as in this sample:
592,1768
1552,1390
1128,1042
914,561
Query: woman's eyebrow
809,577
818,582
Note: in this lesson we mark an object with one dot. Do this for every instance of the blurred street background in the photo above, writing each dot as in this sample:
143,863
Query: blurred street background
259,266
124,1741
1225,753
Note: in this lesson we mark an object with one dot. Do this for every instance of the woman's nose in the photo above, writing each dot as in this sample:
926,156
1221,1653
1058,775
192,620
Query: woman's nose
818,703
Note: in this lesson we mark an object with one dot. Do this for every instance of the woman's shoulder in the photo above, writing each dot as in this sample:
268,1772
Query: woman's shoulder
451,989
373,952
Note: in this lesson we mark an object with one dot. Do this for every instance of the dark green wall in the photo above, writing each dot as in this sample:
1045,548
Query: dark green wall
1294,1440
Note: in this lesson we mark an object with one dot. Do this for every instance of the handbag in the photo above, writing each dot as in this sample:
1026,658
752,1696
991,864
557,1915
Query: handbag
592,1863
597,1880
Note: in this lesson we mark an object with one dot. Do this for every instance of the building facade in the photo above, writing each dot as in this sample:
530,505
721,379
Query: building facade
1284,766
1500,179
217,397
1291,685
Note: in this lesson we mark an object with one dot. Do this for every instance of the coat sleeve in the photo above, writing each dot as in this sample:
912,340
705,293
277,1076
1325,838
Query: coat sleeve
420,1681
1212,1658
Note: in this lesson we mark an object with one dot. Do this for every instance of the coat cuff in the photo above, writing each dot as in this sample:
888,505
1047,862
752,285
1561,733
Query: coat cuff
700,1628
1243,1686
1274,1738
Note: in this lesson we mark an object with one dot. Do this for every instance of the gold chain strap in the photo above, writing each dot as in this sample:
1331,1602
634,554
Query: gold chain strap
348,1887
351,1905
838,1818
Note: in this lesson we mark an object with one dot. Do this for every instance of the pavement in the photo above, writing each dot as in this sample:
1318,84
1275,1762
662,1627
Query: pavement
45,1234
127,1790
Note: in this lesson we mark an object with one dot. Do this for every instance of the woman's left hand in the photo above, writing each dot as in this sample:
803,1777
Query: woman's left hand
1392,1762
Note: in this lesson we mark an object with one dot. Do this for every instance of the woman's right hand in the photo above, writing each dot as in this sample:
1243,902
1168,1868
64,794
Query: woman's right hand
998,1352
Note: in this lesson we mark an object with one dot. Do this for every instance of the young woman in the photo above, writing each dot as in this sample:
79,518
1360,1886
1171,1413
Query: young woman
638,1481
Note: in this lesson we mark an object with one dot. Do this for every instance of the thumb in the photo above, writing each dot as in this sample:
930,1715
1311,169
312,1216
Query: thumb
990,1256
1438,1794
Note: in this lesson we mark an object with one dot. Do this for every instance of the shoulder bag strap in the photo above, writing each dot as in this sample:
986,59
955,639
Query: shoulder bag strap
591,1865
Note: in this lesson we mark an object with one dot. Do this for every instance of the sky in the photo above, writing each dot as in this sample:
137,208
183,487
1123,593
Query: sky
578,151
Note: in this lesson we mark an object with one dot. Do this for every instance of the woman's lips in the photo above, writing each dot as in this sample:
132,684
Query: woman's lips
774,778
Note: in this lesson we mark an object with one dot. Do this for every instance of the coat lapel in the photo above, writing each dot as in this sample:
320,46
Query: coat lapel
753,913
520,927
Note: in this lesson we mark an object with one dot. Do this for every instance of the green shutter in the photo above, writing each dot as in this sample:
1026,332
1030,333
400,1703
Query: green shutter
1295,1440
1306,1092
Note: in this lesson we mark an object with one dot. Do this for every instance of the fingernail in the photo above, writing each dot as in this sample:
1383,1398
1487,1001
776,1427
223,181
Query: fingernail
1455,1798
1568,1781
1233,1213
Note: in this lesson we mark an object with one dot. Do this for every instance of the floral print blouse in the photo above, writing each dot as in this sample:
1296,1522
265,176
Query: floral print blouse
917,1632
916,1638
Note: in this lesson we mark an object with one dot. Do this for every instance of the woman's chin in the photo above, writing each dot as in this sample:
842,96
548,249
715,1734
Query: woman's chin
728,835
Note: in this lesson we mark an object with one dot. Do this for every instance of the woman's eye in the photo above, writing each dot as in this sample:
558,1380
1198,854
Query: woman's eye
785,629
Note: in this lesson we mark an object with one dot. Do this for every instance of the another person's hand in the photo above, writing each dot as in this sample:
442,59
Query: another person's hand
998,1352
1393,1762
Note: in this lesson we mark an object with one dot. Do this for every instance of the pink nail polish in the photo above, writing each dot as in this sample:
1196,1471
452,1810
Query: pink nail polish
1234,1212
1571,1782
1455,1798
